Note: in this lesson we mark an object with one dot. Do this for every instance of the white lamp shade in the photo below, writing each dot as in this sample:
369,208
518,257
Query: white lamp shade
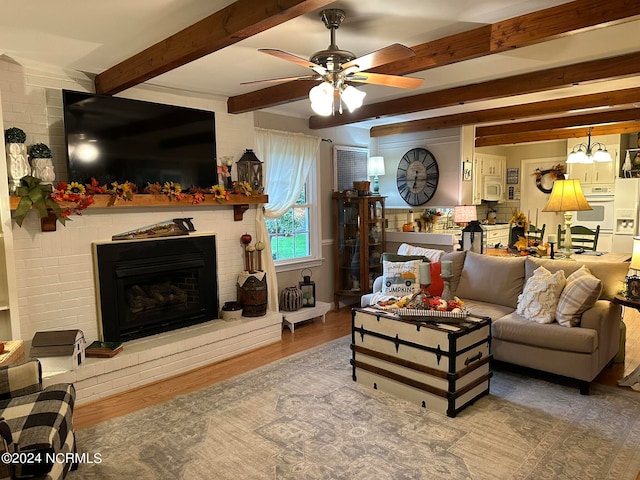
602,156
574,157
352,97
635,256
375,166
321,97
464,213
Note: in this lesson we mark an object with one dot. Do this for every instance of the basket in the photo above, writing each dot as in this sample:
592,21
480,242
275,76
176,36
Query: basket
362,186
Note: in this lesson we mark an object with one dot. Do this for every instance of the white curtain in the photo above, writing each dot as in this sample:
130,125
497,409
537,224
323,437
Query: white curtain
288,158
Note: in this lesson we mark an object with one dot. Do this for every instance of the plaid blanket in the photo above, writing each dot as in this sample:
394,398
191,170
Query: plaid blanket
36,426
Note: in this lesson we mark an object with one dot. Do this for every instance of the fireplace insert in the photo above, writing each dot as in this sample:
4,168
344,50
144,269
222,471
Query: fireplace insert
153,286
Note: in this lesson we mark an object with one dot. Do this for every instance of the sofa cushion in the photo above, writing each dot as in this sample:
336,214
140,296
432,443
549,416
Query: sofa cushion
539,299
492,279
579,294
401,278
611,273
484,309
515,328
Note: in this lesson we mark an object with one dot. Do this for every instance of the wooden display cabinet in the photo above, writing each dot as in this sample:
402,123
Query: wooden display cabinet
360,239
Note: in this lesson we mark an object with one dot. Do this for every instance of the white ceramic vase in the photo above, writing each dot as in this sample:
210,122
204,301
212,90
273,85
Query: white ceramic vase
43,169
17,164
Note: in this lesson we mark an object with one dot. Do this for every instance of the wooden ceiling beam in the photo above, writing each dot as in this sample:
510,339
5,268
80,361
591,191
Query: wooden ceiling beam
559,134
240,20
566,121
529,29
547,107
539,81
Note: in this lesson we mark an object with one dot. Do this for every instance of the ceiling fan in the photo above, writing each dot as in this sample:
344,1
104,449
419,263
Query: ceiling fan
335,68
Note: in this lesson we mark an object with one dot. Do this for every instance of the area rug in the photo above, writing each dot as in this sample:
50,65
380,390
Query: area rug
304,417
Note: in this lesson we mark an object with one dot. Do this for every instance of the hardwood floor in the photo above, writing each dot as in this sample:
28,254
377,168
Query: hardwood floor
307,335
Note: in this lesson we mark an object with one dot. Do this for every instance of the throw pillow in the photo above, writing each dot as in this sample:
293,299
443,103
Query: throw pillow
539,298
401,278
437,285
579,294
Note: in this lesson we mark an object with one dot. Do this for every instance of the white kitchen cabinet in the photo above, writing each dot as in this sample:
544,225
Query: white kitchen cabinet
496,234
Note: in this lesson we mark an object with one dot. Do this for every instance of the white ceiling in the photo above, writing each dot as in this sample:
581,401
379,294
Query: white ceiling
93,36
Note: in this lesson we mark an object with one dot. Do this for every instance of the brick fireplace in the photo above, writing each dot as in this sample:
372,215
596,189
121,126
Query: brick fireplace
55,278
155,285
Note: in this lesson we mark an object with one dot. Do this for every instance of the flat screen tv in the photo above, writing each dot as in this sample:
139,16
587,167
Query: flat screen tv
115,139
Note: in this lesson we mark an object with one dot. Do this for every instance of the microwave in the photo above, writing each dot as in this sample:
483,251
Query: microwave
492,189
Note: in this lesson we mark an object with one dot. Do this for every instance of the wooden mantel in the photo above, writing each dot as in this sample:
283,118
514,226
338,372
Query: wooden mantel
240,203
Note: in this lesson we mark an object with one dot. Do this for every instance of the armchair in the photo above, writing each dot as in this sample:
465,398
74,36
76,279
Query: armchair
36,422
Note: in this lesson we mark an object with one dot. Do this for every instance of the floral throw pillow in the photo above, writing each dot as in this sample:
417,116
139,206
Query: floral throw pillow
401,278
539,298
579,294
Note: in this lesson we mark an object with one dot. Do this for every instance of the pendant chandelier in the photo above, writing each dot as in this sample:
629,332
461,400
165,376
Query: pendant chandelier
589,152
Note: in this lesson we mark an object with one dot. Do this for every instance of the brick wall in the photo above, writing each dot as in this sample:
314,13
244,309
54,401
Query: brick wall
54,270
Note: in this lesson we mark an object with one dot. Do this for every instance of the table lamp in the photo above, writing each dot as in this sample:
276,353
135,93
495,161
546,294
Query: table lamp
375,167
464,214
566,196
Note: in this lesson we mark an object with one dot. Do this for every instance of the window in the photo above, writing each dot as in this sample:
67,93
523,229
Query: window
295,235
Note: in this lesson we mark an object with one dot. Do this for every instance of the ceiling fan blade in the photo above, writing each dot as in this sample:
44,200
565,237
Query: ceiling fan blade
282,79
386,80
289,57
385,55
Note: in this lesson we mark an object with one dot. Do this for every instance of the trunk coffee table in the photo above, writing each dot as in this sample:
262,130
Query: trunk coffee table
442,365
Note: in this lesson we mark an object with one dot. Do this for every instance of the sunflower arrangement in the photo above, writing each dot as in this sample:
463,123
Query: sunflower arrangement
219,193
72,198
519,219
121,191
243,188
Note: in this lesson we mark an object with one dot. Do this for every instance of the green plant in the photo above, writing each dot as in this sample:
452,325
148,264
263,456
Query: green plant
15,135
39,150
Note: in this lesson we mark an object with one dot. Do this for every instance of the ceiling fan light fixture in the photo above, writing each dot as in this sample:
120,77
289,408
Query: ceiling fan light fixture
352,97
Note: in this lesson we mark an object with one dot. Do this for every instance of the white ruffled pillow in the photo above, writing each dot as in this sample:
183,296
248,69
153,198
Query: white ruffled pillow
539,298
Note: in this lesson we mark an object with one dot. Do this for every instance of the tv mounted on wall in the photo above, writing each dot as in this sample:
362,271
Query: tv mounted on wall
114,139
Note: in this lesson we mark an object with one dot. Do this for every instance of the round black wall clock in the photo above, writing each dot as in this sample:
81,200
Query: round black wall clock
417,176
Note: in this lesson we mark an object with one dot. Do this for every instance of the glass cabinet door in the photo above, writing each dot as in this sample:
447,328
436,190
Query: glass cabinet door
349,245
376,240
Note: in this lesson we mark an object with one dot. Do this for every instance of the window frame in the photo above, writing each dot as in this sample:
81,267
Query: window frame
314,259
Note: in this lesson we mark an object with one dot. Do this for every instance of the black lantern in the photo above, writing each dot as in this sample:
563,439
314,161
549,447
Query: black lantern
250,170
473,237
308,288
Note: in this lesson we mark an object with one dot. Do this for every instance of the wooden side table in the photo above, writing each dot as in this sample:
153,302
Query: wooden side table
13,352
626,302
305,313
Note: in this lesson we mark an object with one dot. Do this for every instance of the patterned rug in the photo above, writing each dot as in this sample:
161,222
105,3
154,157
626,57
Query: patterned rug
304,418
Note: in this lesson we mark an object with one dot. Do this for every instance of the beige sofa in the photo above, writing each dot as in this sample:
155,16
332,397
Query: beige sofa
490,286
